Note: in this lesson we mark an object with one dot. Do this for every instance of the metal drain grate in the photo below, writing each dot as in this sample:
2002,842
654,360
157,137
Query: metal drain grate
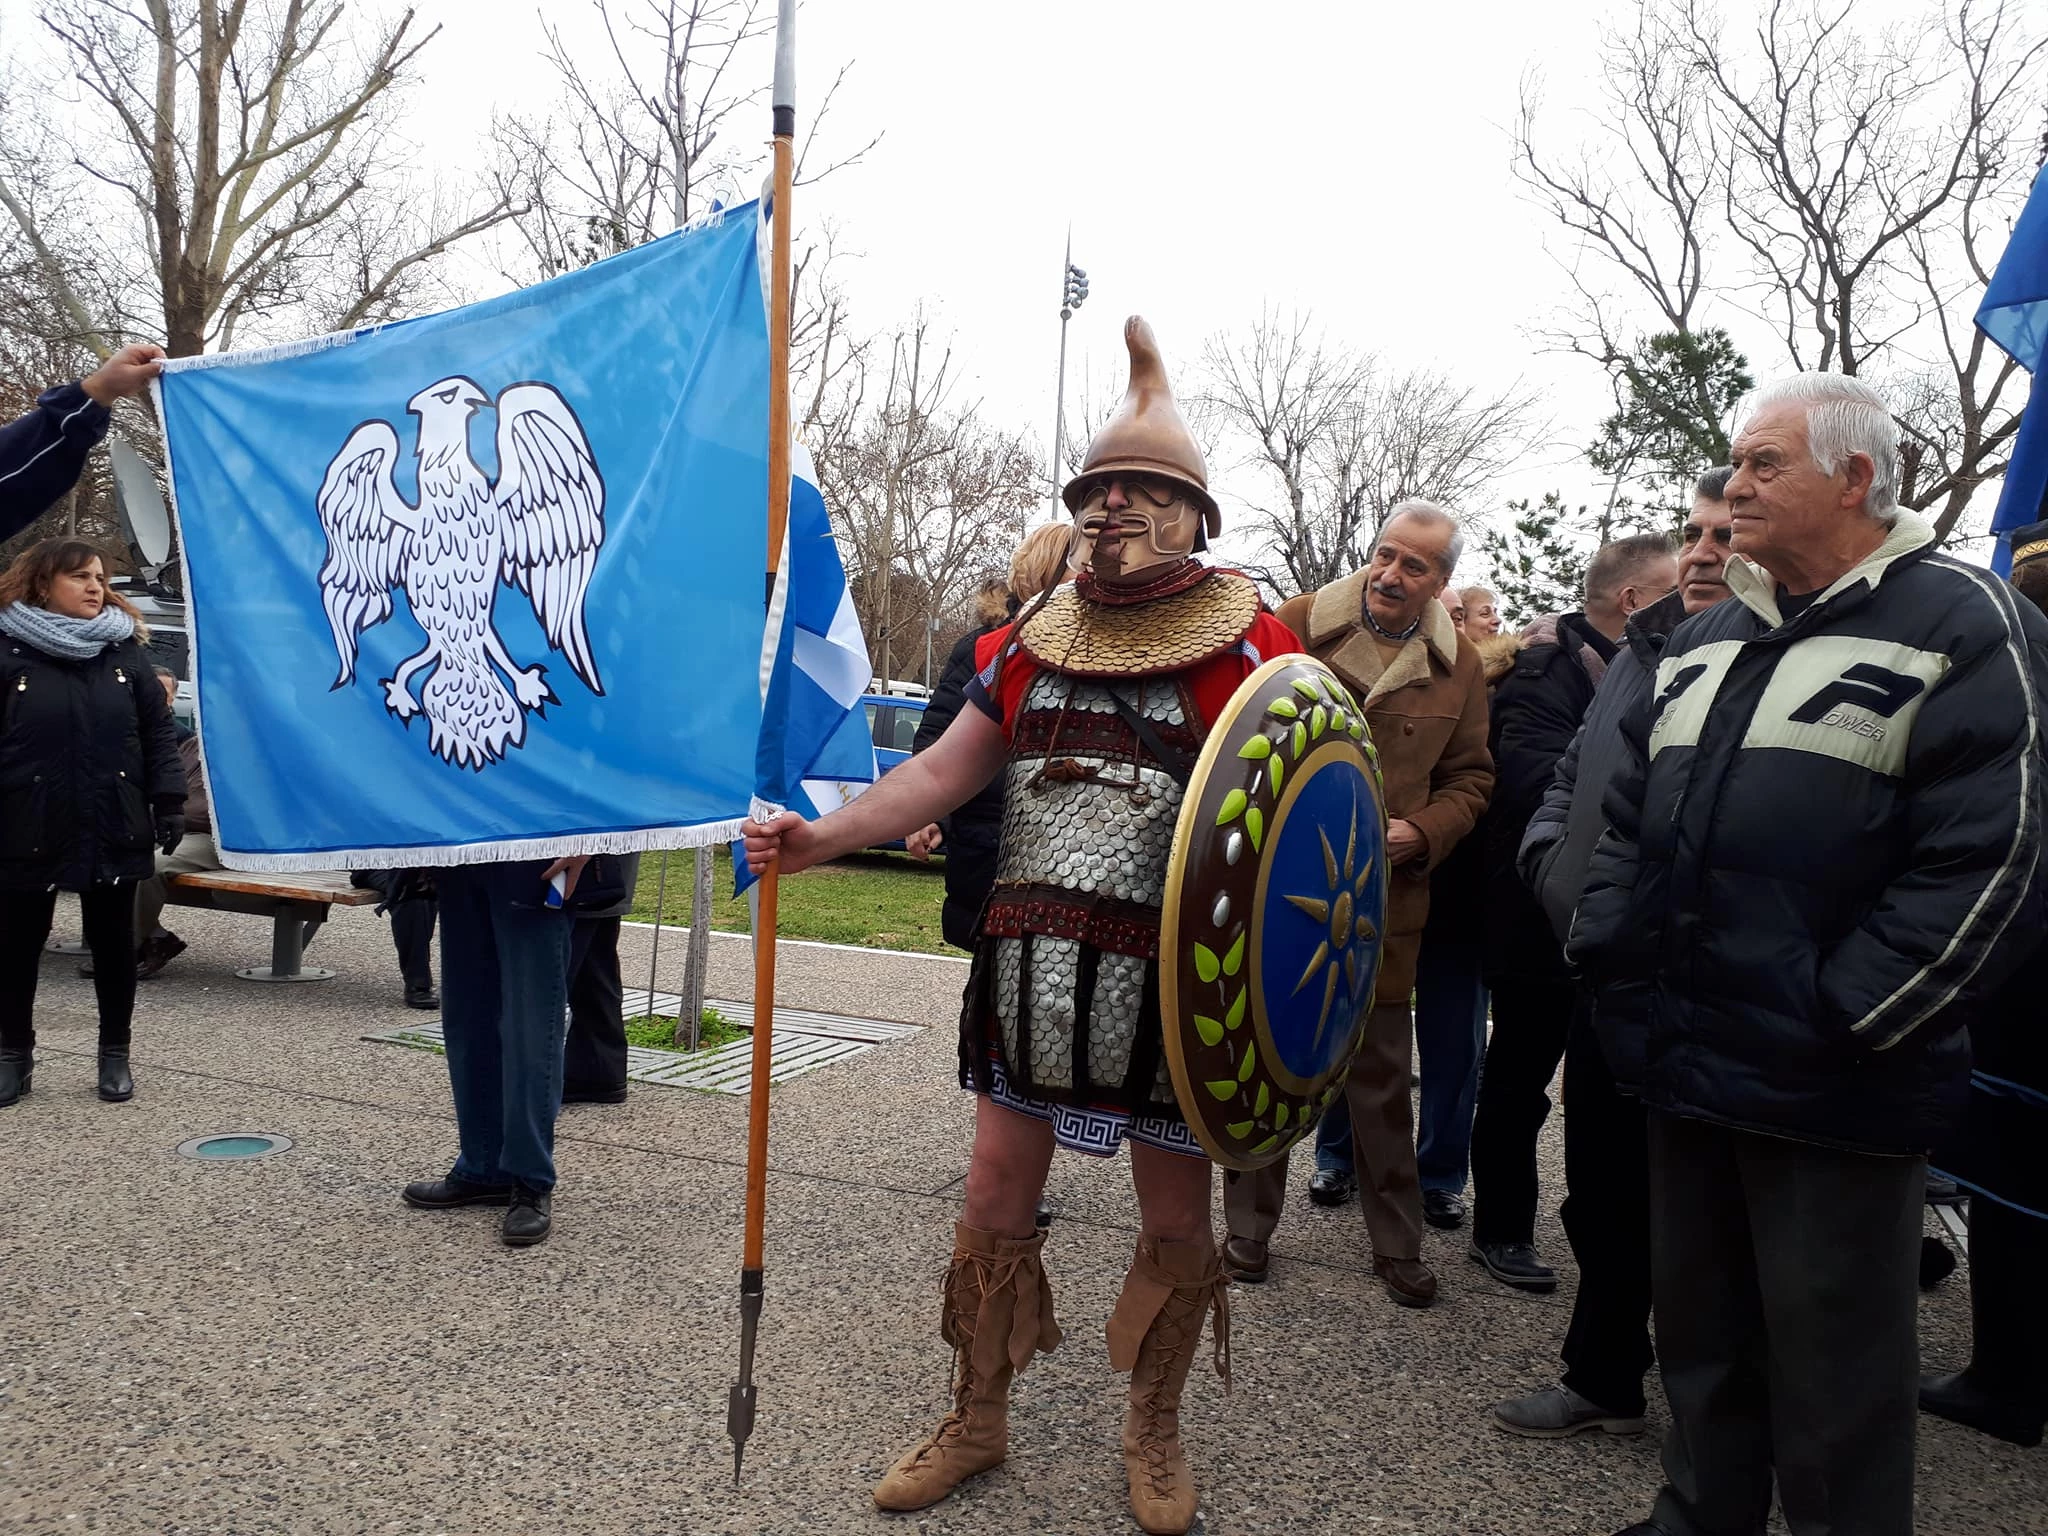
804,1041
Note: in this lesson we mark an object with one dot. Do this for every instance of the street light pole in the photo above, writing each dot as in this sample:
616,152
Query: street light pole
1073,292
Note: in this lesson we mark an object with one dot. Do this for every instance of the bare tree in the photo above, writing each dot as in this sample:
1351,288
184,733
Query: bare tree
1864,179
1342,442
926,495
243,143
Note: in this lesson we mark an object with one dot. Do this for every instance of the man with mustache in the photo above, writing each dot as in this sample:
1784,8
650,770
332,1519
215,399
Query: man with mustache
1093,706
1383,631
1606,1147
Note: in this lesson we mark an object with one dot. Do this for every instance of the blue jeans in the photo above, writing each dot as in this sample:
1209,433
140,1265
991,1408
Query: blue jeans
504,992
1450,1040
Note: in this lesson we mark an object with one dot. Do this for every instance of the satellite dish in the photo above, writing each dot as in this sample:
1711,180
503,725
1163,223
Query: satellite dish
144,518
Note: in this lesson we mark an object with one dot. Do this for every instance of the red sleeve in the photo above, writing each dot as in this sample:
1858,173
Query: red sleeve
1001,702
1216,679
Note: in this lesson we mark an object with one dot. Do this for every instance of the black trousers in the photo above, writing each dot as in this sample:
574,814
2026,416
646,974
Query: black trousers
412,924
1607,1217
595,1057
109,912
1786,1278
1531,1018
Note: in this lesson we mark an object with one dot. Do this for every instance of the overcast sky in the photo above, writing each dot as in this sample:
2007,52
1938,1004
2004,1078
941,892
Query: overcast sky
1348,159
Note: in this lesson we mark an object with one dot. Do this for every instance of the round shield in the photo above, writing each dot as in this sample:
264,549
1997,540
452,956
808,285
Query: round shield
1275,900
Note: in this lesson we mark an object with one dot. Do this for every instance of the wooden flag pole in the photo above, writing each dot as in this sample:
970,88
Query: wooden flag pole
739,1412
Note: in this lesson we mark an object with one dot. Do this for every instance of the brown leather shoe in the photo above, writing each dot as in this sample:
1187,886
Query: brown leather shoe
1408,1281
1245,1261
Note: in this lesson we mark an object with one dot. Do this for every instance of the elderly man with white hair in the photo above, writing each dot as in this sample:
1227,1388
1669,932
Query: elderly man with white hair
1823,845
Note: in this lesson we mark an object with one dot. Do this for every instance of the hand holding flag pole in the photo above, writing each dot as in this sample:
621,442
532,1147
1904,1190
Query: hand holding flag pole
741,1403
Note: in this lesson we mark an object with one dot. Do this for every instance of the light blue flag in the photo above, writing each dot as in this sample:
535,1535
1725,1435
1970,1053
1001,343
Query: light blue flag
486,585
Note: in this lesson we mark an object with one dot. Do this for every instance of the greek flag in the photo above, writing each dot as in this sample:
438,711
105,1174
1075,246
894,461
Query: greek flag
487,584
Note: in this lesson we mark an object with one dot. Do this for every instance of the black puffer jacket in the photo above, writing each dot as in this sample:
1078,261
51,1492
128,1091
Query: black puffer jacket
1536,713
88,757
974,828
42,453
1558,845
1824,846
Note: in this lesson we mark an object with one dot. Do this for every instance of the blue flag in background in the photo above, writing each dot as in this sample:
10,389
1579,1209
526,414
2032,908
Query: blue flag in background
2014,314
486,584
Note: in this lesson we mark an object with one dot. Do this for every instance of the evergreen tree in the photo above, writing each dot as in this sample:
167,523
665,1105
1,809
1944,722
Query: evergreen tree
1539,565
1675,393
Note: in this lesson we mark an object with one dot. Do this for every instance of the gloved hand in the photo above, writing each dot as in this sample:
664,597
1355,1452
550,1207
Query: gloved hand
170,830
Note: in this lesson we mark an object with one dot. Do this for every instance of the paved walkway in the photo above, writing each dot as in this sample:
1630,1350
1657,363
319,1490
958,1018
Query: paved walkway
282,1347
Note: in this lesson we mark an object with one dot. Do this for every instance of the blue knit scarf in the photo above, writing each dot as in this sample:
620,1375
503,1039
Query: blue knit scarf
58,634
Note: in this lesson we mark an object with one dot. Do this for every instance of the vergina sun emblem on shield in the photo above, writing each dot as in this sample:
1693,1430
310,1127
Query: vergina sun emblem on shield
1274,909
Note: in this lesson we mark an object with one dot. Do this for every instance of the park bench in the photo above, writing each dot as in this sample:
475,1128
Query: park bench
296,905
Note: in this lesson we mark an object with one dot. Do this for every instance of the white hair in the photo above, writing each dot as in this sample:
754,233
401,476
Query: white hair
1429,514
1844,416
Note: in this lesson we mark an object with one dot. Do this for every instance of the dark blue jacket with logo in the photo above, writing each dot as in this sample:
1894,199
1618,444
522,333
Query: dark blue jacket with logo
42,453
1823,843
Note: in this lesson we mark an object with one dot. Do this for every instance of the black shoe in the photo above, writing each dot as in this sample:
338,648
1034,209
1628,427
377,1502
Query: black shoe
16,1067
117,1086
85,969
158,951
1644,1528
530,1219
422,998
582,1094
1332,1186
1936,1262
446,1194
1442,1209
1516,1264
1963,1399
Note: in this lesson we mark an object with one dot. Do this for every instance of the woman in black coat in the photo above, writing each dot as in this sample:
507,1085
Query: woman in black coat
970,834
90,783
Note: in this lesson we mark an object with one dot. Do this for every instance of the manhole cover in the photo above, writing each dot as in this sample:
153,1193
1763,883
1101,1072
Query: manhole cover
238,1147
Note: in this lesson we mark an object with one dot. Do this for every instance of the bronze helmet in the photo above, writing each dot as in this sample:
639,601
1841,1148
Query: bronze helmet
1147,435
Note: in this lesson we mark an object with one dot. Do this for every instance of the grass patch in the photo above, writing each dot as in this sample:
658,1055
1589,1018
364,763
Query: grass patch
877,900
659,1032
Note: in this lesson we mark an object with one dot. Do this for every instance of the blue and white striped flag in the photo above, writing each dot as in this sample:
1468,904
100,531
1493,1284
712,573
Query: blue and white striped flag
815,748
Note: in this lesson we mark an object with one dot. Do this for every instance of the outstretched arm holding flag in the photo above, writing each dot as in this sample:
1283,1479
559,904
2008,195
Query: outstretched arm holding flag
922,790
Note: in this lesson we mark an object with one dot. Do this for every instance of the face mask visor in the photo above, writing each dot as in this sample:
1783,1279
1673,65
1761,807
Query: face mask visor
1155,526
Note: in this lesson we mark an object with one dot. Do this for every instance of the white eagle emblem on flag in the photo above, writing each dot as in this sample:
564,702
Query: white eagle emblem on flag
539,527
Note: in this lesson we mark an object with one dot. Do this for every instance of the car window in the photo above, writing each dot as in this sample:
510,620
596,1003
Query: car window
903,732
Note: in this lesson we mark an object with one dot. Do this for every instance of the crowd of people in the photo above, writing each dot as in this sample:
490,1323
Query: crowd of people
1749,843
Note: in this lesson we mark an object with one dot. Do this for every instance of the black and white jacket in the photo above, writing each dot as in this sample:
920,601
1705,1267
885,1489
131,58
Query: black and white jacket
1823,841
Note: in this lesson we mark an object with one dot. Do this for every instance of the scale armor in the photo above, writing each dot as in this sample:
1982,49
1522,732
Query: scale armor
1073,922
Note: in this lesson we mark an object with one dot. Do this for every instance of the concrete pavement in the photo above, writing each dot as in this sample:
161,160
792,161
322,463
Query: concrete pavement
196,1349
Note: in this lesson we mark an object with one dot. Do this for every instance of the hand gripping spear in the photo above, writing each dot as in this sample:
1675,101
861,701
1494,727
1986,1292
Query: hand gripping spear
740,1404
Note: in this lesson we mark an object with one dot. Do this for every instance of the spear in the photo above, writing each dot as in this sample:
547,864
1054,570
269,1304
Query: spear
740,1404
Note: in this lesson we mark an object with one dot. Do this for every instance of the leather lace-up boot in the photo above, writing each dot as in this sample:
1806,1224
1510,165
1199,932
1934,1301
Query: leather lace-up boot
1153,1334
997,1315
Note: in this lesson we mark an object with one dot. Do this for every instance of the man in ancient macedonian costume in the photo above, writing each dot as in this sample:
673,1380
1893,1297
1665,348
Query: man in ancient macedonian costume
1094,705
